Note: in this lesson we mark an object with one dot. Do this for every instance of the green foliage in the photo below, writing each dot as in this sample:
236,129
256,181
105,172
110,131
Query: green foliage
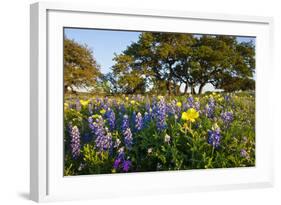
80,68
95,162
187,147
185,59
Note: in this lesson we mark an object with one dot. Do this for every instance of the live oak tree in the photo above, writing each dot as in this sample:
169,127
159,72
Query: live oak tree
223,62
150,62
81,70
173,60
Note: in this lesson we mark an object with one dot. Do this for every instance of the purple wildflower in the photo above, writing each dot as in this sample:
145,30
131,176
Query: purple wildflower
190,101
125,123
184,106
120,158
197,105
214,136
110,116
227,98
243,153
78,105
227,118
122,108
121,162
138,121
103,137
146,119
75,142
161,114
116,163
210,108
128,138
126,165
147,106
171,108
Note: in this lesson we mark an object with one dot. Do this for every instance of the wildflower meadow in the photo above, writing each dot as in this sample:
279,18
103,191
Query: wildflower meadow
140,133
156,101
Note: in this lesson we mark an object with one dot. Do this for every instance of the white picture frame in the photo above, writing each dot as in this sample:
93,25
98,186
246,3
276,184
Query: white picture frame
47,182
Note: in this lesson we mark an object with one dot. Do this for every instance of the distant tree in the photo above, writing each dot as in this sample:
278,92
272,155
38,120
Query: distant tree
151,61
110,83
217,59
176,59
81,70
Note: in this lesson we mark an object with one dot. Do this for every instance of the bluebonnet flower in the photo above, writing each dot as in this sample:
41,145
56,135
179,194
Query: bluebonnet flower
104,143
227,118
147,106
110,116
171,108
121,161
128,138
138,121
75,142
125,123
197,105
122,108
227,98
104,103
161,114
103,137
214,136
120,158
78,105
146,119
126,165
210,108
244,154
190,101
184,106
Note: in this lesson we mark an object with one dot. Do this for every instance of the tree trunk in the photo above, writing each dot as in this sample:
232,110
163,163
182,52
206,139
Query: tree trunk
193,91
179,89
201,88
168,86
186,87
65,89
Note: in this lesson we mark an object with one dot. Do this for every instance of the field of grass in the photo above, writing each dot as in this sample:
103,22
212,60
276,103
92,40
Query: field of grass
138,133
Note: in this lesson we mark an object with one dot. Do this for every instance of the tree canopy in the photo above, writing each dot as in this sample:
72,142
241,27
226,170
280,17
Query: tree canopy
170,63
167,61
81,70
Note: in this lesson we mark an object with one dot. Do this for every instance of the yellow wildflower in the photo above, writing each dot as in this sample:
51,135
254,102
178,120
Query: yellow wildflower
160,97
133,102
96,116
190,115
179,104
84,102
127,98
66,105
102,111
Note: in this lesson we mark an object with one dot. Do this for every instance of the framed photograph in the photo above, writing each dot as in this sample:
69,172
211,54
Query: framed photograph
128,101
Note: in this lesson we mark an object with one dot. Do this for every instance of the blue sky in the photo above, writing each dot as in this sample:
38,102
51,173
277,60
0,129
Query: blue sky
104,43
